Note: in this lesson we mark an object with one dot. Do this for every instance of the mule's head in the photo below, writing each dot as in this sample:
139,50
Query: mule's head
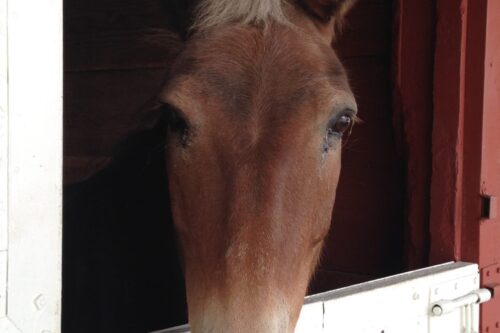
259,106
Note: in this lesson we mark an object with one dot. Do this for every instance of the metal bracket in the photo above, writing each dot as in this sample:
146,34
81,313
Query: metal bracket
490,279
446,306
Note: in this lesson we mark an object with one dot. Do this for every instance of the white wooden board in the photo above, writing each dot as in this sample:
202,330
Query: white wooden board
401,303
30,165
3,284
3,125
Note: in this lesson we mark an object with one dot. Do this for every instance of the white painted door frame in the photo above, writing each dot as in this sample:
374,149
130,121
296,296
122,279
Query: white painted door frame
30,165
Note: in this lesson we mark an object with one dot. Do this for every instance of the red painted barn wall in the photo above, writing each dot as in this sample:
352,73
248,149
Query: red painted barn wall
464,222
489,248
413,117
490,166
445,224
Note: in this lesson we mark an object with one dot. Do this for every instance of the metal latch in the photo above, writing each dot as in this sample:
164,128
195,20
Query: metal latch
475,297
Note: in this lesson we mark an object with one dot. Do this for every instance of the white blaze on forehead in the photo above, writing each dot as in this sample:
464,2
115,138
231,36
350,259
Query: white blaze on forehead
211,13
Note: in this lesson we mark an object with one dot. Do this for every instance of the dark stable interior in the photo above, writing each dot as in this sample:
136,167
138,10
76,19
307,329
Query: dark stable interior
121,269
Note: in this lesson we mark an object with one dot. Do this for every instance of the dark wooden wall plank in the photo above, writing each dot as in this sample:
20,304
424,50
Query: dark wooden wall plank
110,34
102,107
367,30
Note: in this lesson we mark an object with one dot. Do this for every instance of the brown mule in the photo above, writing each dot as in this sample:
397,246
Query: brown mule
259,103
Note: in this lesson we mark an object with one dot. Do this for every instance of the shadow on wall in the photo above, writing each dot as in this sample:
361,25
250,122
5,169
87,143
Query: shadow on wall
121,267
121,270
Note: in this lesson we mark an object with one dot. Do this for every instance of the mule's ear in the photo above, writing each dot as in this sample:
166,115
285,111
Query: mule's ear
328,11
167,41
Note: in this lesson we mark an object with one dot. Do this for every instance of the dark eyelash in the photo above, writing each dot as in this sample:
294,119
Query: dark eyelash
176,121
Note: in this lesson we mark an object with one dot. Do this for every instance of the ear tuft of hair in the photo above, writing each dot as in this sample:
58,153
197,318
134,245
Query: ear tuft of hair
168,41
211,13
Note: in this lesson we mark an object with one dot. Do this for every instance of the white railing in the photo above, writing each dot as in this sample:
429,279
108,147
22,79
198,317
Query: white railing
404,303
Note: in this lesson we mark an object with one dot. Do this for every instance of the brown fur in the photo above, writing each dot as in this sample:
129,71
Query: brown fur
253,187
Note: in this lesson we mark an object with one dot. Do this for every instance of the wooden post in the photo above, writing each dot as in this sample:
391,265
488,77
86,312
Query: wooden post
30,165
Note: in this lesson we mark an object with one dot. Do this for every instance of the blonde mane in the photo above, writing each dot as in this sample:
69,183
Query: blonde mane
211,13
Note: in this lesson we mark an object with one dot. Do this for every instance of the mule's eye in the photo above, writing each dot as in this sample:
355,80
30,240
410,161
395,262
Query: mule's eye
337,126
175,121
340,124
177,124
343,124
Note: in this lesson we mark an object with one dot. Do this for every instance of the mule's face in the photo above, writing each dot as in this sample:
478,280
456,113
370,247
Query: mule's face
253,156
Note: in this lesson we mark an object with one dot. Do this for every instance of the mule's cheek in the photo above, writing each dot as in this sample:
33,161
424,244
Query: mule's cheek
330,172
185,189
178,194
326,189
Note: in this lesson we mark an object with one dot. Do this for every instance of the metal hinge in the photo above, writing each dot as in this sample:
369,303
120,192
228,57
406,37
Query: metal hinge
490,278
